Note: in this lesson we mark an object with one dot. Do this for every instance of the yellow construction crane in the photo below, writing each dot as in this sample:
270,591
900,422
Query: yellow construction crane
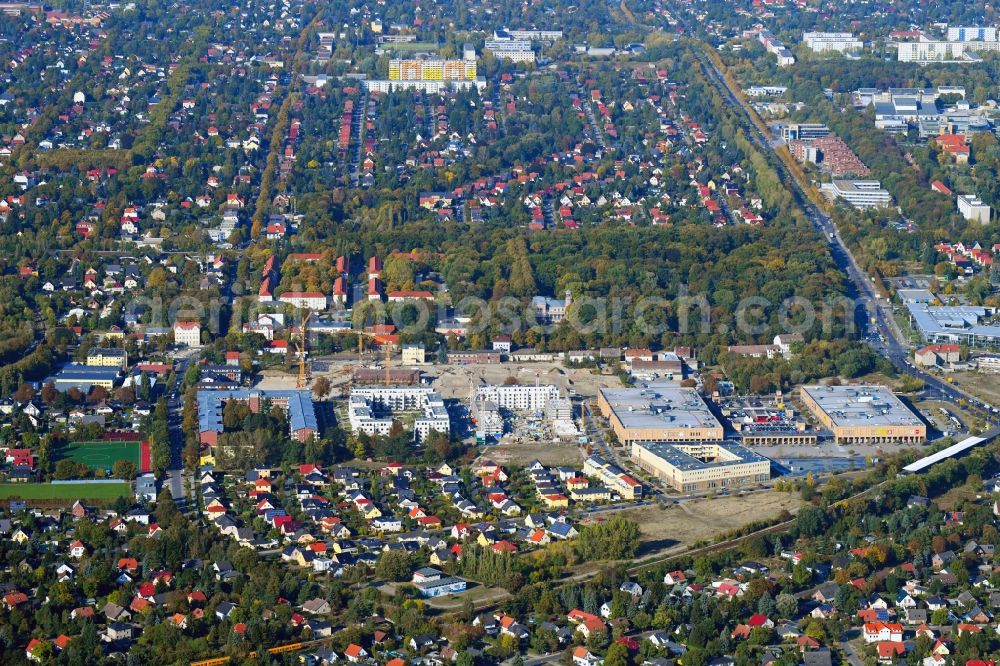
302,378
388,350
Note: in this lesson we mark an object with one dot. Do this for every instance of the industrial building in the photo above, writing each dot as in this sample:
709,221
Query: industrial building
84,377
965,324
372,409
701,465
952,451
302,423
659,412
864,415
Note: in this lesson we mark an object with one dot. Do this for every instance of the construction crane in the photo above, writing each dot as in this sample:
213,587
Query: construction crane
301,348
388,349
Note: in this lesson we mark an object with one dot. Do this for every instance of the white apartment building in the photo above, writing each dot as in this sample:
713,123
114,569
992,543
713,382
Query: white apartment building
187,333
371,409
766,91
515,50
430,87
771,43
928,50
972,33
518,397
972,208
312,300
858,193
536,35
843,42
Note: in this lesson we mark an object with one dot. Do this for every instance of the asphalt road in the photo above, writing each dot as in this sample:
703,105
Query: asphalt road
176,473
878,319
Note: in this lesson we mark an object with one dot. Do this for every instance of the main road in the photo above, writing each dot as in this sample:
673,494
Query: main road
176,473
890,343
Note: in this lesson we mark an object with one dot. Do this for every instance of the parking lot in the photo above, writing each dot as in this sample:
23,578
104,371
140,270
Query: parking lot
768,419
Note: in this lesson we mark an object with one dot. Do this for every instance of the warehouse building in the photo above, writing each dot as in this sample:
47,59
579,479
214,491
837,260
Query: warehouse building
84,377
864,415
961,324
701,465
659,412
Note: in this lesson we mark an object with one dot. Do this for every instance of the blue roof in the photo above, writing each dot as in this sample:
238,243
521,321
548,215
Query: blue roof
76,371
301,412
82,376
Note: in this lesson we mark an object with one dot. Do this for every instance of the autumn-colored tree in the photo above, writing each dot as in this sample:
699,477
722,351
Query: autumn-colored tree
24,393
97,395
49,393
321,387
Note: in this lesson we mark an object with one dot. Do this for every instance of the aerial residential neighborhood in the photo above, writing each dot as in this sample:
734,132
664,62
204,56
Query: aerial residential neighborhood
641,333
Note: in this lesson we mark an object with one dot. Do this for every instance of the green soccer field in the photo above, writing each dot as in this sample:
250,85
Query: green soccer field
101,455
68,491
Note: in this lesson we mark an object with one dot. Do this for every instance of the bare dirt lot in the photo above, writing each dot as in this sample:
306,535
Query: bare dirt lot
548,453
453,381
679,526
984,384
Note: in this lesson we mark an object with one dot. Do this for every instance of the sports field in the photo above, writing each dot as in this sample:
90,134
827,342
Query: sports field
102,455
67,491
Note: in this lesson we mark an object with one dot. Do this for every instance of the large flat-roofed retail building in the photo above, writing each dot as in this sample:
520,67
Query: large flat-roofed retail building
864,415
701,465
659,412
